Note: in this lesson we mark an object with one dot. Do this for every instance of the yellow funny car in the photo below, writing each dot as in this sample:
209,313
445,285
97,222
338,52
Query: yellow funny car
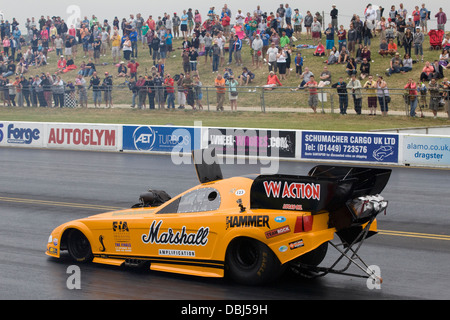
250,228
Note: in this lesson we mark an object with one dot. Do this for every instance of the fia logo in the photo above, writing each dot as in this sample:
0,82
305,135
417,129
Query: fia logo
120,226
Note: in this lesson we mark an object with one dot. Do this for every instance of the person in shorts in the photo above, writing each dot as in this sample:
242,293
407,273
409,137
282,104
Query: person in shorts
313,100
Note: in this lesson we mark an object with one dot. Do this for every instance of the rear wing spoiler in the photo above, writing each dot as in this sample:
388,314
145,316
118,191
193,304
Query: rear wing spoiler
325,188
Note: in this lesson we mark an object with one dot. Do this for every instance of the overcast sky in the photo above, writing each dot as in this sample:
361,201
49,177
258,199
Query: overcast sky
107,9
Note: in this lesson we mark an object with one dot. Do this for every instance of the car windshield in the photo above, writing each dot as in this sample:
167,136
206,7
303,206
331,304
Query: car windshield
204,199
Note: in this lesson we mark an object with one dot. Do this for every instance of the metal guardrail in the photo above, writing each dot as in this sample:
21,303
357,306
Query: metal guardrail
252,98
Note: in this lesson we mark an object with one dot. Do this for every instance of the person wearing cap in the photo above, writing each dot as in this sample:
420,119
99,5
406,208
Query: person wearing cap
257,46
418,38
298,20
395,65
107,86
116,40
334,17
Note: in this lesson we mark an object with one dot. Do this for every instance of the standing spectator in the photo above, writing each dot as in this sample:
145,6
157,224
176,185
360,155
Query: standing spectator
233,93
176,25
107,86
408,41
313,99
219,83
127,48
281,63
446,95
341,87
424,17
58,92
181,94
215,56
257,46
355,86
370,87
47,87
272,54
142,92
96,90
329,34
80,84
115,45
132,67
351,38
298,64
308,23
334,17
435,97
412,96
316,28
383,96
170,89
298,20
441,19
198,91
288,14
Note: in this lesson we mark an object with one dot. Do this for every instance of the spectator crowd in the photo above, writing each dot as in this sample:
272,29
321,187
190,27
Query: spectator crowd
219,39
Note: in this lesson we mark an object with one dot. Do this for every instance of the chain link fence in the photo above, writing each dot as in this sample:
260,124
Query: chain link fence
261,99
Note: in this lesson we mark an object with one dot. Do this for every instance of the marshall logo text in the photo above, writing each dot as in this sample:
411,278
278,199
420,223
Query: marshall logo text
199,238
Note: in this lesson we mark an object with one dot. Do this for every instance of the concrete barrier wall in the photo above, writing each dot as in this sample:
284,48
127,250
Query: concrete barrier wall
295,145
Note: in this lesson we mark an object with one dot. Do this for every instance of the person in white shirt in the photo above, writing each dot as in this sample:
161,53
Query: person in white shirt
257,45
272,53
240,18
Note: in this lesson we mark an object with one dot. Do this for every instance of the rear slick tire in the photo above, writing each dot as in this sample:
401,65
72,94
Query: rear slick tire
78,246
251,262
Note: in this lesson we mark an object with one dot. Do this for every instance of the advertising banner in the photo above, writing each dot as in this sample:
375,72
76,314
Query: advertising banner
253,142
22,134
426,150
349,146
98,137
161,139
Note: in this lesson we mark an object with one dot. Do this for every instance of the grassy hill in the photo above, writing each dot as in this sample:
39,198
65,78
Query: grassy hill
249,97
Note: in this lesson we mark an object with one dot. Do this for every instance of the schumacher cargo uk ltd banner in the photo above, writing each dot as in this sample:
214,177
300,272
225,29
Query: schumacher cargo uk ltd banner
161,139
348,146
253,142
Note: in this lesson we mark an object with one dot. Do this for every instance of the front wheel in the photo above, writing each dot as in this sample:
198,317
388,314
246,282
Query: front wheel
251,262
78,246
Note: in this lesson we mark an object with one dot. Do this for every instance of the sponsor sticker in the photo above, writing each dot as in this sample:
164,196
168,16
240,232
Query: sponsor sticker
277,232
296,244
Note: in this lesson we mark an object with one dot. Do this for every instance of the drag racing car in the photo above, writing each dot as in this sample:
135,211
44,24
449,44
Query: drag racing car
248,228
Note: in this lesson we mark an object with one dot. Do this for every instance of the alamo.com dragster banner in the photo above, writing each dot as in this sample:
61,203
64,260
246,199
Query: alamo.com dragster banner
349,146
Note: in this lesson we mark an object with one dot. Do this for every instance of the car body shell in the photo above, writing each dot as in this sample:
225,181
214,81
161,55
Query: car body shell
194,238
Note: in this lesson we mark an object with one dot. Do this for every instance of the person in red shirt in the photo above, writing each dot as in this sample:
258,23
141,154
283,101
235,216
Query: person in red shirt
313,100
151,23
61,64
132,67
411,86
272,81
170,89
226,25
